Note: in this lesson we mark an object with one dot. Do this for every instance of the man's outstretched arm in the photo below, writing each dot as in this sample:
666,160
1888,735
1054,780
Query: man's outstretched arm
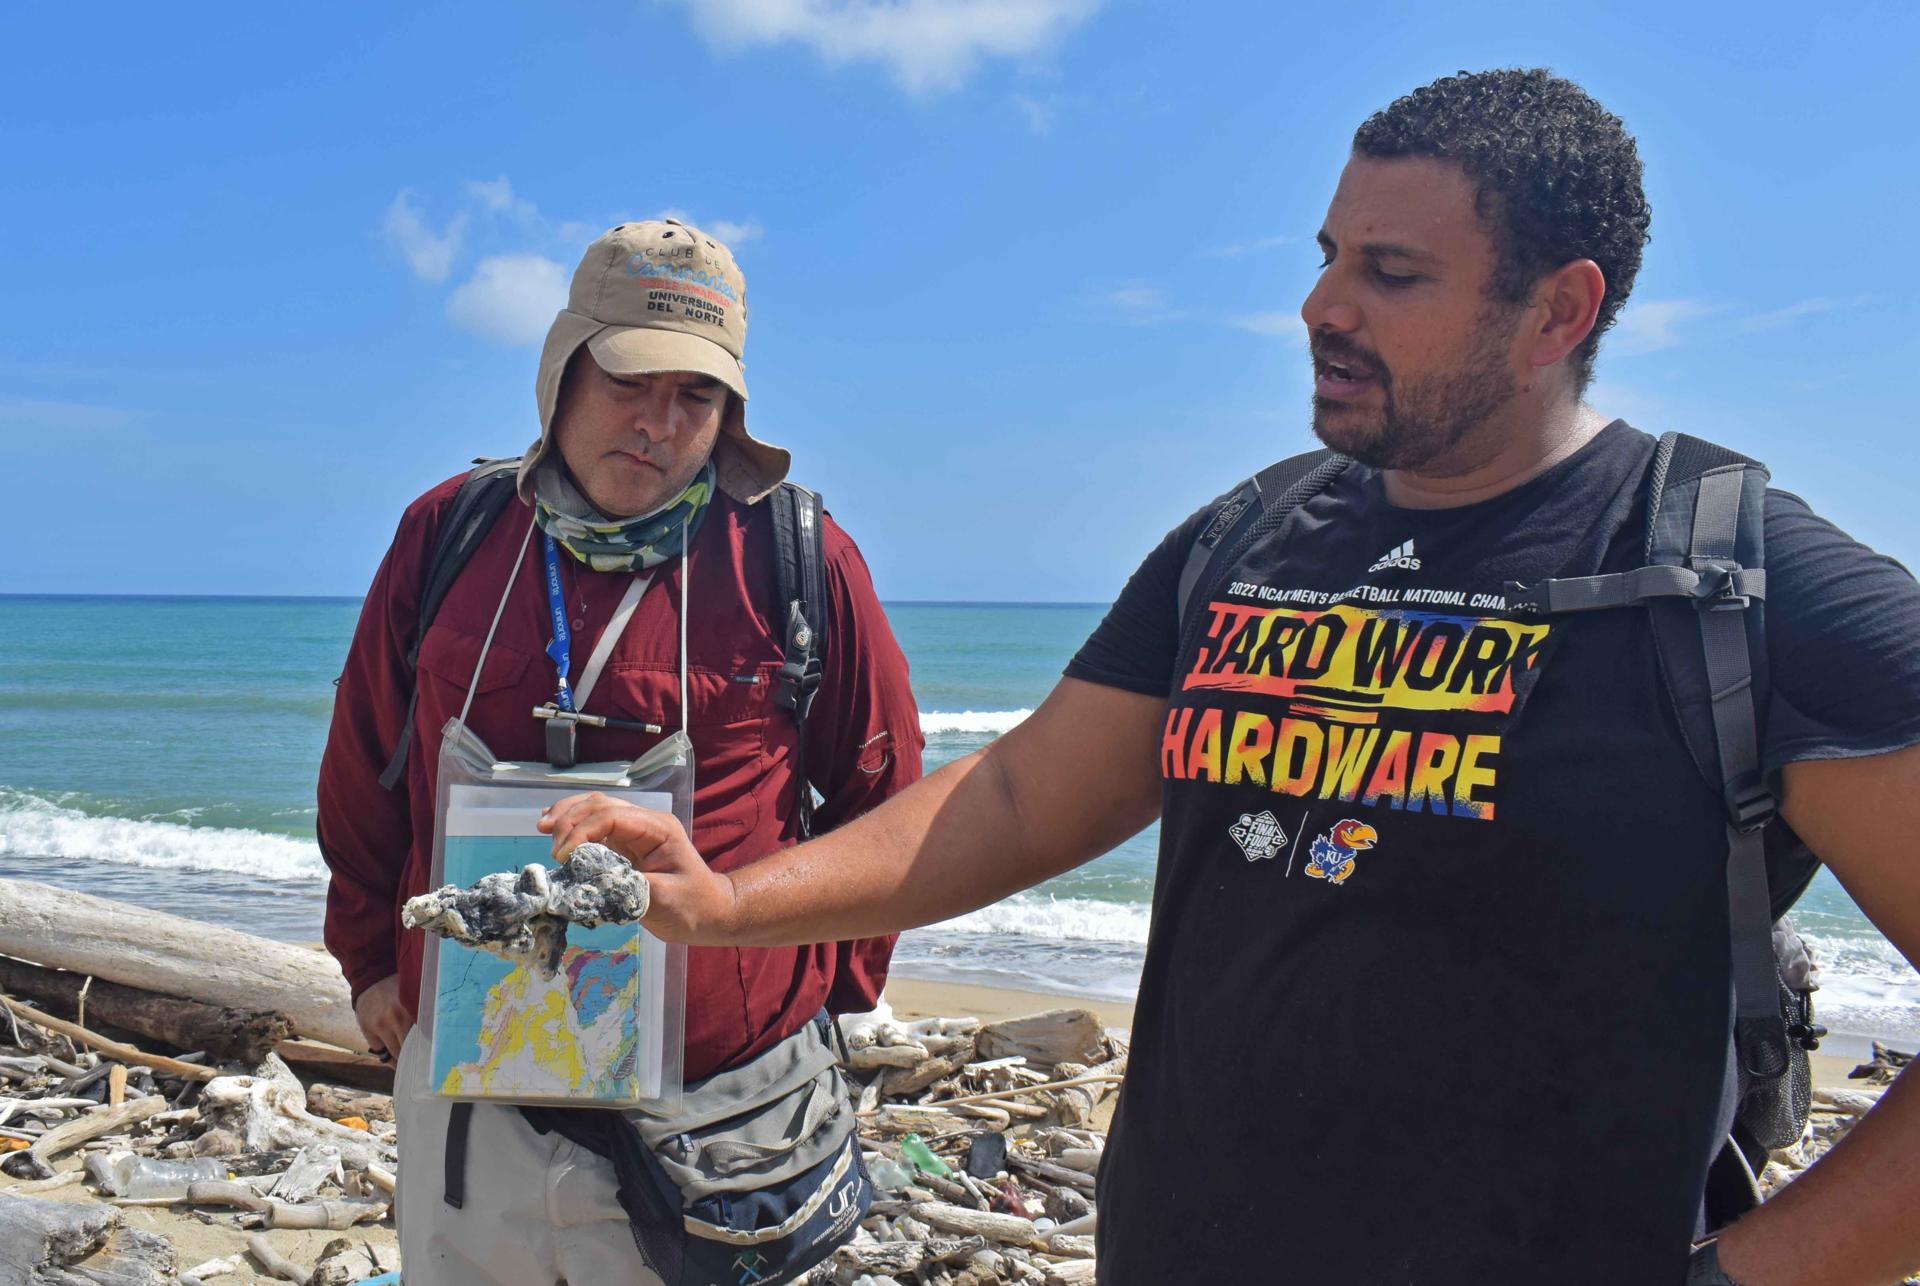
1077,777
1849,1220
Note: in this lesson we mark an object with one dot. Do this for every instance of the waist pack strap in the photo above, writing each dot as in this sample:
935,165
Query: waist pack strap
459,1126
642,1186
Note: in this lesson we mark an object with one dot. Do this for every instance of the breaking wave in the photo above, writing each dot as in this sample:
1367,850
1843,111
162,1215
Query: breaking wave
974,723
33,827
1866,987
1056,919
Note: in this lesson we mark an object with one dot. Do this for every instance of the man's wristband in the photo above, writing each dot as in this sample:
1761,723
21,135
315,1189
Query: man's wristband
1703,1268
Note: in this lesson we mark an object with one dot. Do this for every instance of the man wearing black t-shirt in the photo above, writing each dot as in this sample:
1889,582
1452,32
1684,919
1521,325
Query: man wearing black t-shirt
1448,868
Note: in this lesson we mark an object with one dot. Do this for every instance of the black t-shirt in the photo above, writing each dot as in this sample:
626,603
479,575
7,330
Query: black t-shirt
1437,988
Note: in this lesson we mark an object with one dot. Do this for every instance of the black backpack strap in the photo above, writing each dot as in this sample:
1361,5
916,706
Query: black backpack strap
1243,515
481,498
1638,587
642,1186
800,562
454,1175
1760,1032
1703,584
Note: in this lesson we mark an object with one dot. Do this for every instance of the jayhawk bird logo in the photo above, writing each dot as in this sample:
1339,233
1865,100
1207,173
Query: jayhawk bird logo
1332,855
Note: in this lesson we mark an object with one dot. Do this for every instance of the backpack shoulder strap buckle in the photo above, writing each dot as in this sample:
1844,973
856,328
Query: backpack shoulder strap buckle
799,674
1726,586
1750,803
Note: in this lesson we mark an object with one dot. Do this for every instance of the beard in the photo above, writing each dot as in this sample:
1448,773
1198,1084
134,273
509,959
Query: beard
1424,418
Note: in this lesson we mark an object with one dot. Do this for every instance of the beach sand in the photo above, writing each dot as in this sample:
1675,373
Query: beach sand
198,1242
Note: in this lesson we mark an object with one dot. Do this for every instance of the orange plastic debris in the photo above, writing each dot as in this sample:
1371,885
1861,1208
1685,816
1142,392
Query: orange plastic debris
14,1145
354,1122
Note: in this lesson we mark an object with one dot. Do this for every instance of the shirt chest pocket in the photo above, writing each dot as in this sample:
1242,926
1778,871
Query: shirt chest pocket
649,691
741,737
449,657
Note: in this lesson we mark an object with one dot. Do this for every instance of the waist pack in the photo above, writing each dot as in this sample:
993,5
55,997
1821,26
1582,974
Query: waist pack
753,1180
1703,584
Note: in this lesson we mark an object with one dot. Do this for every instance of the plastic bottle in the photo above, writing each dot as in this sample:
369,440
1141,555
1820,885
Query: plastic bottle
127,1174
889,1175
921,1157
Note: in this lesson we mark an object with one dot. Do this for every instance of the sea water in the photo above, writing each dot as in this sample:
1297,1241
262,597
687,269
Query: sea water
162,751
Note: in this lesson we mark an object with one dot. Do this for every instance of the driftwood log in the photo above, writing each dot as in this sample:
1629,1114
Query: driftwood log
125,1053
199,1274
325,1062
39,1235
130,1258
137,947
335,1215
275,1263
106,1120
898,1258
333,1103
226,1032
1009,1230
1056,1036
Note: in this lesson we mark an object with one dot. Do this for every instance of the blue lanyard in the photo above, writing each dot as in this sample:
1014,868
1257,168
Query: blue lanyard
561,648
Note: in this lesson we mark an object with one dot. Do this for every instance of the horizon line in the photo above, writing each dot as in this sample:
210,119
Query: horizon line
358,598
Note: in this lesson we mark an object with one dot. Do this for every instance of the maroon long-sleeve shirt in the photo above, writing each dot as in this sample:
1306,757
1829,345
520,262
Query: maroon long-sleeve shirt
863,740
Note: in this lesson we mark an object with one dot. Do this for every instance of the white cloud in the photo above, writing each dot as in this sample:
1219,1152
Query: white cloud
1272,324
927,45
1039,113
520,281
1628,402
510,298
735,233
430,254
1134,304
496,197
1654,324
731,231
1242,248
1795,311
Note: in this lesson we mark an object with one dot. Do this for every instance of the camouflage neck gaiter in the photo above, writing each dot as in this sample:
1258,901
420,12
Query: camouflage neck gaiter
617,544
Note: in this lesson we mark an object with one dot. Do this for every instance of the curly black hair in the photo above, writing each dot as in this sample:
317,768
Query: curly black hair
1558,175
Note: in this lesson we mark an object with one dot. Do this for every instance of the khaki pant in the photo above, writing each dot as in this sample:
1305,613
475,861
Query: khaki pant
539,1210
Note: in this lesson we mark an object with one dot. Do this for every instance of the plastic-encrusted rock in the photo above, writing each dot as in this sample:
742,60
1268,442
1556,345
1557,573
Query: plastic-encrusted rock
523,917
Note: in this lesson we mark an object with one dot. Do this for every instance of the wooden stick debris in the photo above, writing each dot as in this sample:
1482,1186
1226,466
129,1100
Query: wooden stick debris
276,1263
1103,1078
112,1048
105,1121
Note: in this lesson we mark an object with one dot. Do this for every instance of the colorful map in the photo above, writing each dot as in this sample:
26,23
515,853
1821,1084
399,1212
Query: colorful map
500,1030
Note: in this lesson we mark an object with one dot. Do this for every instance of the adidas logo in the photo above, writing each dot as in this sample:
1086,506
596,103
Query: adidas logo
1400,556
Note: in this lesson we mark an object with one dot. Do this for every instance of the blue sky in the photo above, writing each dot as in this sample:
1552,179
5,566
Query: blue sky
1024,274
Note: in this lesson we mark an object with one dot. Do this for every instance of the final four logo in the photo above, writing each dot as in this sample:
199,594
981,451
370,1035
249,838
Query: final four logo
1259,836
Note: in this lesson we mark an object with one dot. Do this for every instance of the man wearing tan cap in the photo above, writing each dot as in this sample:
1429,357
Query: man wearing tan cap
644,468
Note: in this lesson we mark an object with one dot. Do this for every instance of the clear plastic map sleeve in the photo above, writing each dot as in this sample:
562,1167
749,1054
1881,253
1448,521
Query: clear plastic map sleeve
597,1022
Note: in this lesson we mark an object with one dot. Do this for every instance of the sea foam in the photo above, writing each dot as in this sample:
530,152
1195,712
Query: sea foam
34,827
970,723
1054,918
1866,987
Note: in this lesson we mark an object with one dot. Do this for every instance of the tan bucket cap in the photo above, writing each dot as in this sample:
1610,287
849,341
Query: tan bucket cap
661,295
